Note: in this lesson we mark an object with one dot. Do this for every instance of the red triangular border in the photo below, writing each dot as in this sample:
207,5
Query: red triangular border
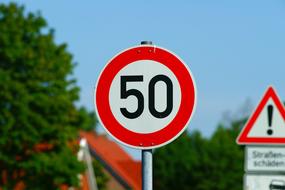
243,136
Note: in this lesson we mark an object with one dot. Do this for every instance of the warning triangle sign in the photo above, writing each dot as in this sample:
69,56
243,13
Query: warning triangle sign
267,124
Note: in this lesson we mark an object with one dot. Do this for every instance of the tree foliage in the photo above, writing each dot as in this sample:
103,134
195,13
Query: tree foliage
38,118
196,163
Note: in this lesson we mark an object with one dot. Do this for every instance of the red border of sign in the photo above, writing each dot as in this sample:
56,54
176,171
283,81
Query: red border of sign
243,137
179,122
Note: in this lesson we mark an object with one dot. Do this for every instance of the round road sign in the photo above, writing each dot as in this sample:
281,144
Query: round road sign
145,96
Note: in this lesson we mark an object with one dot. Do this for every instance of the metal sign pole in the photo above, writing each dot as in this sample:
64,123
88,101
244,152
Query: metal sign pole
146,157
147,169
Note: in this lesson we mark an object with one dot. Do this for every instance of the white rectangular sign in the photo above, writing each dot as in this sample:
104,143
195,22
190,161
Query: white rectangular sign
264,182
265,158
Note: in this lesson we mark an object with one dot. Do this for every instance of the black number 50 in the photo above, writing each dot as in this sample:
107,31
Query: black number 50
151,93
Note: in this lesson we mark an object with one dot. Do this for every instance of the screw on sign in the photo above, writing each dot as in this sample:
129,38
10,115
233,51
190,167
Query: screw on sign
145,97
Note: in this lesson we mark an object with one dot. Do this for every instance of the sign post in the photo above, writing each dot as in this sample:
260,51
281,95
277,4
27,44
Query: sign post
263,135
147,158
147,170
144,98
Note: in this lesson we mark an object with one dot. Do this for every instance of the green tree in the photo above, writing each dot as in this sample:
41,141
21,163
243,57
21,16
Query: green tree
175,164
196,163
38,119
226,167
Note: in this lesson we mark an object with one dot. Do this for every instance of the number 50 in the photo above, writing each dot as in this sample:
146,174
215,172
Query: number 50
151,93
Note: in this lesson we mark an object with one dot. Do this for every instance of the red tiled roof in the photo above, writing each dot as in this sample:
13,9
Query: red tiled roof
116,158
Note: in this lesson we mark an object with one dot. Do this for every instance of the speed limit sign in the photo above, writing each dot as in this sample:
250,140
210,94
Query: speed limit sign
145,97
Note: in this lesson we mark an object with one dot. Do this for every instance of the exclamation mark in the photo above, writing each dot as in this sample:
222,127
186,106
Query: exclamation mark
270,114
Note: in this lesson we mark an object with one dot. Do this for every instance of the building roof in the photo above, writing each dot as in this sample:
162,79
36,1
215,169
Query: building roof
115,158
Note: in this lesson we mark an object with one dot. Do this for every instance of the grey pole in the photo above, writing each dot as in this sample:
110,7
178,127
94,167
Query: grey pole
147,169
147,157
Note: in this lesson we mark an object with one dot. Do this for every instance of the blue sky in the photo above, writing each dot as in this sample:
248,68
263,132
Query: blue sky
235,49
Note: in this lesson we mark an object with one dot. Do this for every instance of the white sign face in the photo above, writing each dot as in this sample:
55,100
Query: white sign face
265,158
166,95
264,182
268,125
